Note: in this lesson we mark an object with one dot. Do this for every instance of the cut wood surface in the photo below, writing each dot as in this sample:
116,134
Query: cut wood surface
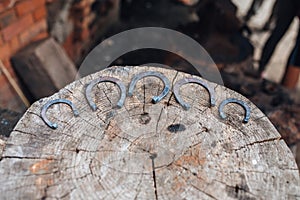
145,150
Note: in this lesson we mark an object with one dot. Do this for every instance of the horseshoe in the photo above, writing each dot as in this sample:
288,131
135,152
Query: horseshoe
162,77
236,101
49,104
105,79
184,81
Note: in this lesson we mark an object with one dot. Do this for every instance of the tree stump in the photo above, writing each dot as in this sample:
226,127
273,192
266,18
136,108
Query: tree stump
144,150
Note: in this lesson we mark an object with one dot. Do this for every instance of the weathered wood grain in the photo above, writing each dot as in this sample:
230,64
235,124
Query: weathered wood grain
145,150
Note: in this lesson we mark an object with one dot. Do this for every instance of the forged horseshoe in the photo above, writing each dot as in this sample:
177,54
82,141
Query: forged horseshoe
116,81
236,101
56,101
162,77
184,81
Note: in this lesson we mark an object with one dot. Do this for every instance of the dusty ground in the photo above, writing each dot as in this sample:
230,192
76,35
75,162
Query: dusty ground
275,68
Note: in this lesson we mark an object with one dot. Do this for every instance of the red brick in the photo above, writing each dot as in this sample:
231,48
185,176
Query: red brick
78,49
14,45
10,69
5,51
2,8
50,1
1,40
33,31
7,18
92,1
17,27
3,5
41,36
81,34
10,100
68,45
7,63
39,13
82,24
27,6
81,12
3,80
82,4
4,88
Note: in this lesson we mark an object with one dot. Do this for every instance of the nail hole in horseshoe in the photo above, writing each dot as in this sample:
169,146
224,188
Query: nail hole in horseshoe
52,102
184,81
92,84
162,77
236,101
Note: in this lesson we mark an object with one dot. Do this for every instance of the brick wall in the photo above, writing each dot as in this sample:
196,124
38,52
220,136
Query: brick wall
90,18
21,22
25,21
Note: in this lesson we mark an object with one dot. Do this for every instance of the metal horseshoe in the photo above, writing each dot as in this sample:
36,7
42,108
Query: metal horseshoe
49,104
232,100
184,81
162,77
105,79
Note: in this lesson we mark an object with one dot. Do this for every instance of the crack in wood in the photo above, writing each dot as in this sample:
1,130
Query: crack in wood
173,81
118,170
260,118
45,192
91,168
106,94
258,142
102,120
138,187
100,168
33,113
70,91
209,195
144,105
23,132
158,120
152,157
67,194
188,170
26,157
123,138
202,111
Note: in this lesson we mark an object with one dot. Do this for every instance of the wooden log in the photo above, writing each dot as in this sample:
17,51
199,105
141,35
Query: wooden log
44,63
145,150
